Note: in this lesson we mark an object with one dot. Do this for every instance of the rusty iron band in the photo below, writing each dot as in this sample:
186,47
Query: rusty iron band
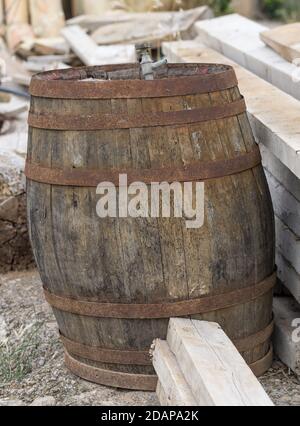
161,310
111,378
131,357
66,84
254,340
139,381
260,367
199,171
50,121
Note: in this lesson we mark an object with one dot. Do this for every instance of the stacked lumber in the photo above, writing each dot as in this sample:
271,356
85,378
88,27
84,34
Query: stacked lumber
91,54
238,38
125,28
36,28
273,115
200,366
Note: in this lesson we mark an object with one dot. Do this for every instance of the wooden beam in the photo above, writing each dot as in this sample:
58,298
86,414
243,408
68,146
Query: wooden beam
274,115
94,22
286,206
47,17
288,243
16,12
280,172
92,54
288,275
215,371
173,389
146,29
238,38
285,40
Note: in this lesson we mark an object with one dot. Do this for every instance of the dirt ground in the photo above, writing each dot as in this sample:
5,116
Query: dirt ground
31,357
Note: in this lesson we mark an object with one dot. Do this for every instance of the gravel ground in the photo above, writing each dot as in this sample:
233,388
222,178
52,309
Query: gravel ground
37,369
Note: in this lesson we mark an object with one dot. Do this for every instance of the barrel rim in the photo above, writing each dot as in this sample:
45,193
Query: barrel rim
140,381
68,84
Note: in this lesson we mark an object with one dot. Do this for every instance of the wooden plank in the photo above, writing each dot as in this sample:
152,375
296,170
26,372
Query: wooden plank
288,276
93,22
286,207
287,332
288,244
92,54
238,38
161,395
280,172
43,46
47,17
173,389
146,29
16,12
273,114
285,40
84,47
212,366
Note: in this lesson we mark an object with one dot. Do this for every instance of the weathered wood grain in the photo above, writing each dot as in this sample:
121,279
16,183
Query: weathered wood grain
212,367
285,40
151,260
172,390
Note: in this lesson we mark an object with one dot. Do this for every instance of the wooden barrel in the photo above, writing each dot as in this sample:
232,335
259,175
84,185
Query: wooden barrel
113,283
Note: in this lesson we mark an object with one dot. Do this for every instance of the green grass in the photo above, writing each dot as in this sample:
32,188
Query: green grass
17,353
287,10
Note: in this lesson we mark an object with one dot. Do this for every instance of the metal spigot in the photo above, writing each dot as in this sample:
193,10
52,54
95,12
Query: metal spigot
146,61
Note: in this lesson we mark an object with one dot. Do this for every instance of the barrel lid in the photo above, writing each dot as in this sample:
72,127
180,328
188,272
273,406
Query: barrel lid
124,81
